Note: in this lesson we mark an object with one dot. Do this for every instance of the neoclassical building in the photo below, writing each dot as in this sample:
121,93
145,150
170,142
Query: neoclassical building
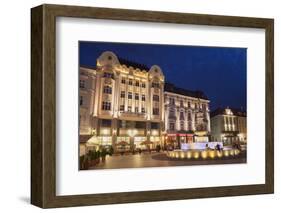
121,103
229,125
187,116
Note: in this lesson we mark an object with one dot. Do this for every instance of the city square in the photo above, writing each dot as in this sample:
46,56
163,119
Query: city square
131,116
159,160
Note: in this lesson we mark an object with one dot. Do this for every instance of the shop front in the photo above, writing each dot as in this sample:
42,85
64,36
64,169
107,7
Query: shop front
189,138
171,141
201,136
182,138
155,141
230,137
138,142
123,144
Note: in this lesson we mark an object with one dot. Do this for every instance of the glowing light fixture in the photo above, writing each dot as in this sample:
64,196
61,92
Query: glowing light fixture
196,155
212,154
204,154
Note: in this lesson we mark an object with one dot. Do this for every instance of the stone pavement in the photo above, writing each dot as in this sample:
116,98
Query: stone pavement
159,160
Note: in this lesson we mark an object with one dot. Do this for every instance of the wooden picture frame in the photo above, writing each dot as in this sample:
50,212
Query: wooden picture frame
43,105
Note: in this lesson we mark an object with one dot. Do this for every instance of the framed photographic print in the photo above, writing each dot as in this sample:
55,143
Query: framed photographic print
137,106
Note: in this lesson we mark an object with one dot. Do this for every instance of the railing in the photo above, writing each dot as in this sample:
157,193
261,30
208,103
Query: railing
107,80
133,114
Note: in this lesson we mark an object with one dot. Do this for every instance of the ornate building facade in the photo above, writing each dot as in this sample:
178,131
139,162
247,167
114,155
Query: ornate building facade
229,125
187,117
121,103
128,105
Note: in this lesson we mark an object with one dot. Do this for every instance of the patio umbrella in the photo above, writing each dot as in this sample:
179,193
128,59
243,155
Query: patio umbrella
123,143
146,143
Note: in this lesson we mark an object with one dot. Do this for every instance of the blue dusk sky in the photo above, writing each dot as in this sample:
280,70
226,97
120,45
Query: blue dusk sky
220,72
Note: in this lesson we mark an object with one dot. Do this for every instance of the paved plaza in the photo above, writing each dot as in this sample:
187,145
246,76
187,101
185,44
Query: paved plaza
159,160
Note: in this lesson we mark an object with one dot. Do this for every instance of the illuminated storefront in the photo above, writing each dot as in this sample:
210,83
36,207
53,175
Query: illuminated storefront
201,136
186,115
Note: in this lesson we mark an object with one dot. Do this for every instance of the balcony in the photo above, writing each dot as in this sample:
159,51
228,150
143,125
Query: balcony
133,114
201,127
230,131
107,80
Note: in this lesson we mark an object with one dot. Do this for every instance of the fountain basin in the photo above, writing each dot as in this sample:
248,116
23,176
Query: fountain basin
202,154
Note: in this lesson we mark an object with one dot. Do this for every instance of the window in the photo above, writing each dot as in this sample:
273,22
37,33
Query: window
203,106
122,95
155,111
107,90
140,125
122,124
143,85
182,125
154,125
137,84
136,109
189,116
172,112
130,82
107,75
130,96
143,97
129,109
172,101
195,106
155,97
189,126
123,81
172,126
81,100
181,103
105,123
142,110
181,116
188,104
155,85
122,108
137,96
82,84
106,105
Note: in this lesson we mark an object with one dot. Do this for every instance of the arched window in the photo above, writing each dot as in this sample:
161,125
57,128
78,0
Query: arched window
172,112
182,125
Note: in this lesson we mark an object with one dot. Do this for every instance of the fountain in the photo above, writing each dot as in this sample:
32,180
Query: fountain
203,150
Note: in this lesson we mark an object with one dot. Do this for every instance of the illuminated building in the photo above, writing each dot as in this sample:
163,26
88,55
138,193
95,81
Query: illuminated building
128,106
229,125
187,117
121,104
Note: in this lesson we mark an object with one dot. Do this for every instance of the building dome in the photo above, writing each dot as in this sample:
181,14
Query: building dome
107,58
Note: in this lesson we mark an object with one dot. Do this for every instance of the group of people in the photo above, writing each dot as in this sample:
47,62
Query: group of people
237,146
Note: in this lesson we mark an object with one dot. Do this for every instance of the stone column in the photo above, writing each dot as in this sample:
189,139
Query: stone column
116,96
114,126
131,143
148,130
